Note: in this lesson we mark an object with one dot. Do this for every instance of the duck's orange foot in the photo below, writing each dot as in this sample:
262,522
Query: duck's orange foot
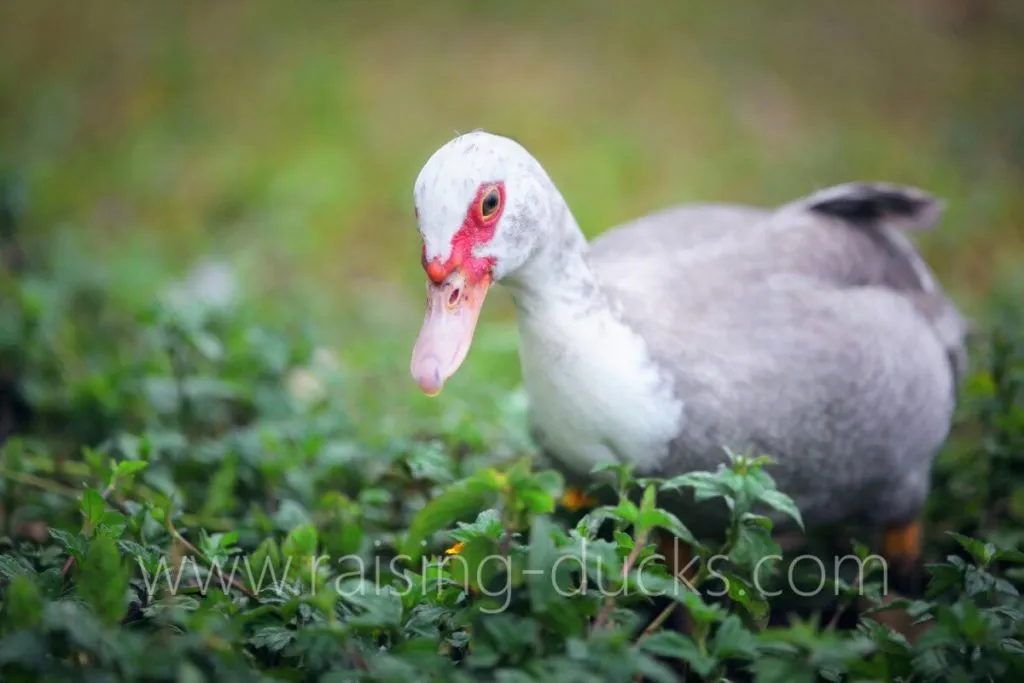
901,546
575,500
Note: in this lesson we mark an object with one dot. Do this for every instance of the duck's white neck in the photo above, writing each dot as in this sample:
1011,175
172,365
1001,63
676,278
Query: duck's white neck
595,393
558,274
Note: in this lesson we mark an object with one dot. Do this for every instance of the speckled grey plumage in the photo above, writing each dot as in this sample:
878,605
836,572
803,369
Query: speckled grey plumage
813,333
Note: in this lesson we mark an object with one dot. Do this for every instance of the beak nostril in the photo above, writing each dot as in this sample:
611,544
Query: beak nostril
454,296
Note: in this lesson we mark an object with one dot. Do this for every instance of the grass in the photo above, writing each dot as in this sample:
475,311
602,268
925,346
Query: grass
141,138
287,141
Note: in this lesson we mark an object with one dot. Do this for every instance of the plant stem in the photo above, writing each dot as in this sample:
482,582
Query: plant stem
38,482
609,604
176,535
663,616
54,487
659,620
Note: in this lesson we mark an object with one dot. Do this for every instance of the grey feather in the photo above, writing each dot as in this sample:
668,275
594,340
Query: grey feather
814,333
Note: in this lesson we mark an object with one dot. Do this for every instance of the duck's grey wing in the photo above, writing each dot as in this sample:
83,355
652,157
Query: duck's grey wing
876,251
847,236
676,229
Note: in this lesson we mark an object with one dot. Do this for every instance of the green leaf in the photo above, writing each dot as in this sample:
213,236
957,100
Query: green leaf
662,519
487,479
487,523
477,562
980,551
12,566
783,503
540,561
513,676
537,501
102,579
301,542
74,542
24,649
753,543
113,522
273,638
591,523
650,669
511,634
647,503
265,558
220,494
127,468
345,540
747,595
733,641
623,473
24,602
677,646
380,607
207,344
626,510
93,506
1010,555
705,485
458,501
550,481
771,670
699,611
96,462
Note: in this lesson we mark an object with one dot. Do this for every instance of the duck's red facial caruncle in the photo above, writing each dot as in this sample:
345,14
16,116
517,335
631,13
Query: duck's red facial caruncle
456,289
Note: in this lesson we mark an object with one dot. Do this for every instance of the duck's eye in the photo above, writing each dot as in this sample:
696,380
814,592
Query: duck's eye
490,202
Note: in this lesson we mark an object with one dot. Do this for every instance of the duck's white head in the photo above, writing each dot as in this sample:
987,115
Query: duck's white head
483,207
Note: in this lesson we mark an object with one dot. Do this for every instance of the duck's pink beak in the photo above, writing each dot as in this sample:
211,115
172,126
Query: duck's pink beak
453,308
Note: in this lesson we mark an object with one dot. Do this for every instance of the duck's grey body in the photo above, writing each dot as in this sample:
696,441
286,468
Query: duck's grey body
813,333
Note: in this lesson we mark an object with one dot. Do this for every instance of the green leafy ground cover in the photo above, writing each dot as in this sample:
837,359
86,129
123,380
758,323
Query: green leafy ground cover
193,500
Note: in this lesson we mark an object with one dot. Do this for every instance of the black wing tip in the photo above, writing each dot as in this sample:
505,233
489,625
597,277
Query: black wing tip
873,203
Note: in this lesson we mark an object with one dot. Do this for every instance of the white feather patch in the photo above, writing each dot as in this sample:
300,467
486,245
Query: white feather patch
595,393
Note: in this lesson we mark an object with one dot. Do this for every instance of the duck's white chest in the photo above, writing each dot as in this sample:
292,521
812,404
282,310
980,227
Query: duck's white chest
595,395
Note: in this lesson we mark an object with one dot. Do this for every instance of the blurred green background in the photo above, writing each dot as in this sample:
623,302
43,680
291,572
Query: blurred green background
284,138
